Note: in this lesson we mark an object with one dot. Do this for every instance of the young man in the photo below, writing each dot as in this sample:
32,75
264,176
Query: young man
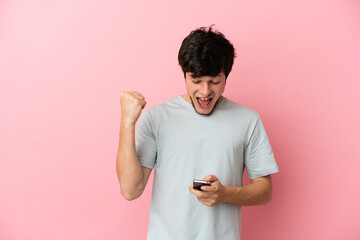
199,135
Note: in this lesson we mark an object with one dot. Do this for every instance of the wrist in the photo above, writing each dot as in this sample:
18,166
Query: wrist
126,124
230,193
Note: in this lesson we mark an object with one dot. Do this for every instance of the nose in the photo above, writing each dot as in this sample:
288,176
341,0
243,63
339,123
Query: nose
205,89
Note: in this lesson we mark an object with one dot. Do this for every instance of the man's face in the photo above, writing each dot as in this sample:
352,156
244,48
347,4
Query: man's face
205,92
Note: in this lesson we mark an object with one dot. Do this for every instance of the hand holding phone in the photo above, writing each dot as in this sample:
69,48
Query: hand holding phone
198,183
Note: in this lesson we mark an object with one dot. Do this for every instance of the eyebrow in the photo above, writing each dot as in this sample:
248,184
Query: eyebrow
212,77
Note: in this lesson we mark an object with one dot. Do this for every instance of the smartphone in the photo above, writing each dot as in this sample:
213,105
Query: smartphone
198,183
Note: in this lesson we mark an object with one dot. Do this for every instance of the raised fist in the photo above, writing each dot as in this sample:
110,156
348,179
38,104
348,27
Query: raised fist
131,105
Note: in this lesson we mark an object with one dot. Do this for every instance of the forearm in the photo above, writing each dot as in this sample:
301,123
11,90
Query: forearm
256,193
129,170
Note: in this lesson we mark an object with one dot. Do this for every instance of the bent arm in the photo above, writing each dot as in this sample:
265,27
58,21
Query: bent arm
259,192
132,176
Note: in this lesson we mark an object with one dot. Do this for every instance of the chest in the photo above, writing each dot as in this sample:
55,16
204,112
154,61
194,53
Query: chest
202,141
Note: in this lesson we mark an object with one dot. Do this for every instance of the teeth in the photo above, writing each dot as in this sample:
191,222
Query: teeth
204,99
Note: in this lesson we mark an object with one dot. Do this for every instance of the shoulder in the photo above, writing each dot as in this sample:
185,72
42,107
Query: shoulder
238,110
166,107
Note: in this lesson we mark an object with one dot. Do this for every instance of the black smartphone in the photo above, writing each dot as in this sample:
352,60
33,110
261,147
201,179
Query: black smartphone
198,183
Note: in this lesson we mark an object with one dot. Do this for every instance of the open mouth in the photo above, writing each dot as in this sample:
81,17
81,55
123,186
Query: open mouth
204,102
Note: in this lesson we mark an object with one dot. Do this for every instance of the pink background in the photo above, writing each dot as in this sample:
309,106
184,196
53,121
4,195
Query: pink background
64,63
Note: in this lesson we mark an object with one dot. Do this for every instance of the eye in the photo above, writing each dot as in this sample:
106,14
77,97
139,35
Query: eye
214,83
196,82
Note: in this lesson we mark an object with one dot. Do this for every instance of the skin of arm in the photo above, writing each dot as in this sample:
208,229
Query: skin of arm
131,175
259,192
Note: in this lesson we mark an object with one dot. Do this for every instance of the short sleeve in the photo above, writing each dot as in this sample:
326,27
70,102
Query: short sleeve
258,156
146,142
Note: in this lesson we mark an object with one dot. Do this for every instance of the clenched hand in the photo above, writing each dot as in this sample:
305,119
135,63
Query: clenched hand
131,105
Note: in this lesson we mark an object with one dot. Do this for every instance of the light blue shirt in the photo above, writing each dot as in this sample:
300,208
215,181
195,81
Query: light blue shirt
183,145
